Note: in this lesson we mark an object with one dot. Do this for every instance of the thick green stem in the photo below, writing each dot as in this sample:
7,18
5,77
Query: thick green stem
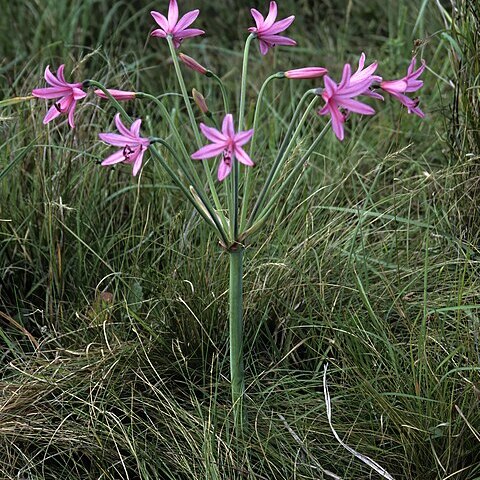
236,336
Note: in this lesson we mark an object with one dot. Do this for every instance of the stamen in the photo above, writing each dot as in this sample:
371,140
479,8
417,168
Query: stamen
58,107
127,151
227,156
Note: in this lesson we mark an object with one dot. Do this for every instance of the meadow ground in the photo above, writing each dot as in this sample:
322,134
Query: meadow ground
113,305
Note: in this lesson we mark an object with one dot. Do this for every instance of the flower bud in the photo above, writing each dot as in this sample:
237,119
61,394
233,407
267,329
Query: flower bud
116,94
192,63
307,72
199,99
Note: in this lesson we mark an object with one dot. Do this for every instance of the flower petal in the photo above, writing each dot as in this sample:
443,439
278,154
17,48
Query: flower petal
60,74
417,111
243,157
257,16
78,93
224,170
189,32
212,134
115,139
346,74
414,85
158,33
337,123
281,25
51,92
71,111
121,127
241,138
264,46
116,94
160,19
394,86
306,72
138,163
278,40
116,157
272,15
186,20
172,14
330,86
51,79
53,112
135,128
227,126
208,151
356,106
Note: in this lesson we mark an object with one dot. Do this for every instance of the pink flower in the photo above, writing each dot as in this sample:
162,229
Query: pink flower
68,93
407,84
307,72
267,29
174,27
228,143
363,74
120,95
133,144
341,96
192,64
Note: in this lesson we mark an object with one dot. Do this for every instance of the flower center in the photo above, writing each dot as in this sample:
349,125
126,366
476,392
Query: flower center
127,152
227,155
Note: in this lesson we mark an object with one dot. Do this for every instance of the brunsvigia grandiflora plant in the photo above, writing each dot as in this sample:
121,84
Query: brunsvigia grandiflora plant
238,202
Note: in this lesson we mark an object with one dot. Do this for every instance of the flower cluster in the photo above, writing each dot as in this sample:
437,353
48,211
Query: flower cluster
340,99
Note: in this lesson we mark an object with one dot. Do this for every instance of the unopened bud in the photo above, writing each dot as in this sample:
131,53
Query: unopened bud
199,99
307,72
121,95
192,63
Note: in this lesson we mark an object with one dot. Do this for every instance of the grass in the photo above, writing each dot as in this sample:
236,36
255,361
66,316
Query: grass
113,298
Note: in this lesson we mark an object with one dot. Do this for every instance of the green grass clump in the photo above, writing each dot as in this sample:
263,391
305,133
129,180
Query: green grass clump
113,301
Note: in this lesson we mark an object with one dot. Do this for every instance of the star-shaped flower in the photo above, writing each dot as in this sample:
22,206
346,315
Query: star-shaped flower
133,145
68,94
175,27
227,143
409,83
267,29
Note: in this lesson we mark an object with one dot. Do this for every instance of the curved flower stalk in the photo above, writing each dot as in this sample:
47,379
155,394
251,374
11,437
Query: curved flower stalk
133,145
68,93
177,29
267,29
226,143
409,83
